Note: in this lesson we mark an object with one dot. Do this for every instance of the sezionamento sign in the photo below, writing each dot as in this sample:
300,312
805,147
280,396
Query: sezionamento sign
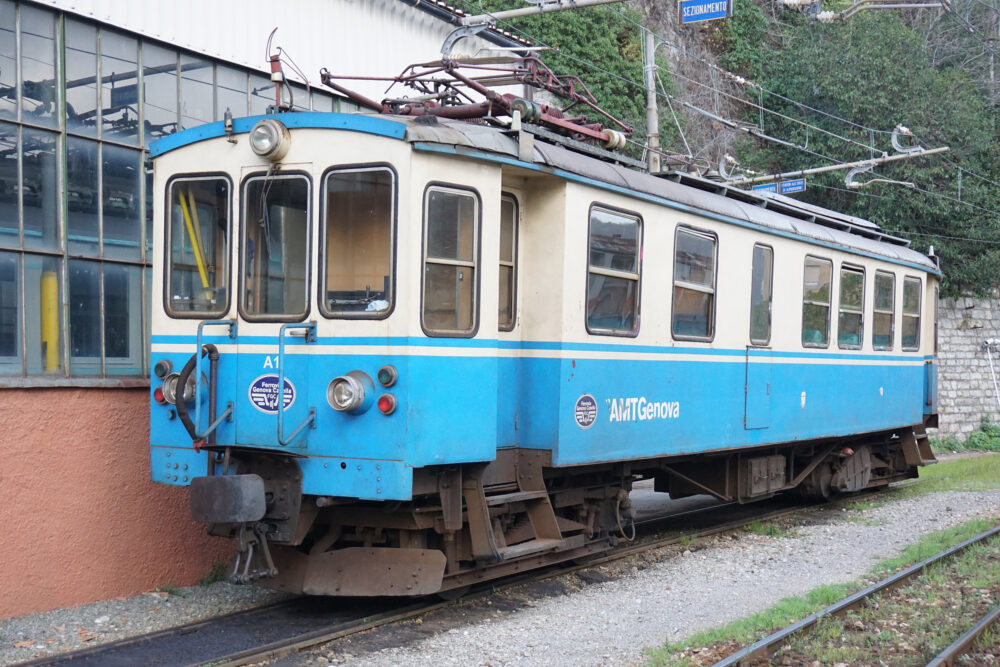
693,11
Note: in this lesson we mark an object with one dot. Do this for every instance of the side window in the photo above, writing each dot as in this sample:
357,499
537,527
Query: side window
885,310
694,285
275,247
451,252
850,320
197,280
911,313
508,263
761,284
816,285
613,272
357,245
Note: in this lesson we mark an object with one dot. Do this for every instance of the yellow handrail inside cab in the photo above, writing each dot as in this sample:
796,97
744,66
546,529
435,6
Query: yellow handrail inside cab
194,240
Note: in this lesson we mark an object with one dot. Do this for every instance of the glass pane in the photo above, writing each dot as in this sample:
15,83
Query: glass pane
159,91
40,199
300,97
849,330
38,66
448,297
507,213
359,208
852,289
82,196
8,186
231,92
121,202
505,317
816,284
692,313
911,332
614,241
911,296
10,325
760,295
196,92
882,331
42,320
119,87
815,325
261,94
694,259
884,288
451,225
122,319
8,64
275,250
85,317
611,303
81,78
323,102
197,269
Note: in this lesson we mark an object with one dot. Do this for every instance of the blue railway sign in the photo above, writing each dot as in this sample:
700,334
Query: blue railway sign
794,185
693,11
769,187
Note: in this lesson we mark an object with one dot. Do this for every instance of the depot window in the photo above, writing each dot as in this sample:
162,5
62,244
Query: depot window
507,305
911,313
613,273
850,320
694,285
197,280
275,252
885,311
451,258
358,233
761,285
816,302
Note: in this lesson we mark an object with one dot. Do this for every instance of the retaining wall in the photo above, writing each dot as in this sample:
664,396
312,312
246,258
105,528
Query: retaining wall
966,389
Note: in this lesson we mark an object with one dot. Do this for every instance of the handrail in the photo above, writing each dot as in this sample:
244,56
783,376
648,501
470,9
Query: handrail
231,323
309,334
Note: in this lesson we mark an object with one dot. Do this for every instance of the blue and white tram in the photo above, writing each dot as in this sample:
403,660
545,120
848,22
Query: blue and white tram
395,356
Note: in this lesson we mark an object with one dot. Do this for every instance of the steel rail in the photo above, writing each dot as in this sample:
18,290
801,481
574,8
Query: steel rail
766,646
950,655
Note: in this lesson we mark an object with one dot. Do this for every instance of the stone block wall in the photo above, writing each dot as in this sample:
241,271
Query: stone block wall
966,390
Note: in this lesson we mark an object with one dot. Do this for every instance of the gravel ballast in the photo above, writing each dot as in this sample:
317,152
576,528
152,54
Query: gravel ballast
636,603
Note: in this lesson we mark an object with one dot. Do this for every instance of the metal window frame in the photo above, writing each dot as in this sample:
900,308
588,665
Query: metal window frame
635,276
851,268
770,296
892,313
697,287
465,191
516,230
808,302
918,315
322,286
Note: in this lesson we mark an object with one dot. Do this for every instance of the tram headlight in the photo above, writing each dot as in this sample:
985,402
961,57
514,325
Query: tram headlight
270,139
352,392
169,388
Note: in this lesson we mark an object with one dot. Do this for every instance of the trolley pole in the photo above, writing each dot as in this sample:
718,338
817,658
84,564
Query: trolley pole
652,116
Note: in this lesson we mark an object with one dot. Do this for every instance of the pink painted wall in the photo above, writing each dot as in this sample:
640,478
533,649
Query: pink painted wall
80,518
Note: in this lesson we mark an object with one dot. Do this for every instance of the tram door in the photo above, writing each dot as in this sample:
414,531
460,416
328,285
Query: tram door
509,369
758,388
274,302
758,362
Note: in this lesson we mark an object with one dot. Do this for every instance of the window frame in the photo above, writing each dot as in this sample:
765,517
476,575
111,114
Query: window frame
828,304
614,273
513,264
919,316
770,302
854,268
167,242
704,233
321,282
476,264
244,186
892,313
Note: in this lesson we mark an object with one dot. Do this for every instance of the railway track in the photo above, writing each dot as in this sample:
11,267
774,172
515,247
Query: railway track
278,630
764,648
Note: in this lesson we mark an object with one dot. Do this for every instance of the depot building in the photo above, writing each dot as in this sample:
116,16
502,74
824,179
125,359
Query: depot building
85,87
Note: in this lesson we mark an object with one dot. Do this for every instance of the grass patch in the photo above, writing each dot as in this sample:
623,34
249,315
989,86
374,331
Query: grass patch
685,540
218,572
766,528
975,474
787,611
985,439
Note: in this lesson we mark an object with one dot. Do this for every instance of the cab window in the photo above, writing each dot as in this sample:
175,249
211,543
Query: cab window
451,256
816,283
850,320
613,273
885,311
507,306
694,285
197,280
911,313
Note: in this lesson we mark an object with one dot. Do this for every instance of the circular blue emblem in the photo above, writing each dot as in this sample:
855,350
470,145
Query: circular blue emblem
585,411
263,393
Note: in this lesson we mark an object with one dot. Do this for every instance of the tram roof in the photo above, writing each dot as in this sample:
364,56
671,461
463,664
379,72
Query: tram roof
778,213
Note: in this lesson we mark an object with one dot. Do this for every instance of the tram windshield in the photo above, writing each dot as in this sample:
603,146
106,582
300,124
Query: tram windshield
197,280
275,247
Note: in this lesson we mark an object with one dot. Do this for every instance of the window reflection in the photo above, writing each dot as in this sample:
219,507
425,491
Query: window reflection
82,195
39,189
119,87
159,68
231,92
84,317
10,354
196,92
120,198
38,68
81,78
42,324
8,64
8,186
261,94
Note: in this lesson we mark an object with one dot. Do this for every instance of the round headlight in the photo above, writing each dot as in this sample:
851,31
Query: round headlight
169,388
350,393
270,139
